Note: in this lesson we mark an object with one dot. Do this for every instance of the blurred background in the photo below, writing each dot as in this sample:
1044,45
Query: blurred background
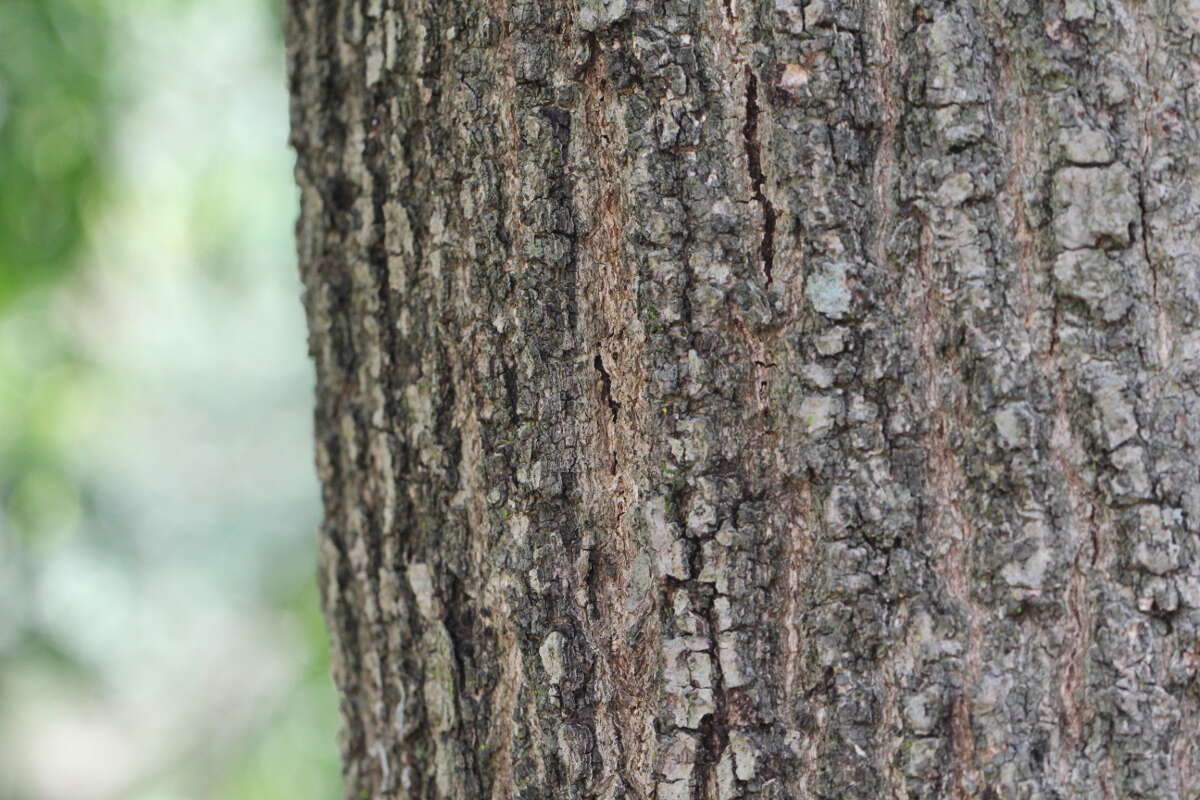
159,630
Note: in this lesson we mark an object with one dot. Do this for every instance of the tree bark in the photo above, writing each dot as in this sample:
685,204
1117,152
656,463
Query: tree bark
756,398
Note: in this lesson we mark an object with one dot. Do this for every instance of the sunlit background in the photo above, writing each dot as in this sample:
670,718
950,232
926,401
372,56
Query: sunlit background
159,631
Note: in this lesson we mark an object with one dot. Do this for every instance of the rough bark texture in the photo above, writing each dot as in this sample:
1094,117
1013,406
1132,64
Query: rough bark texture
774,399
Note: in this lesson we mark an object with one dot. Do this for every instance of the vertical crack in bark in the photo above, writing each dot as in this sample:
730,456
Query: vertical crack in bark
713,731
1163,337
766,247
884,177
1145,232
606,383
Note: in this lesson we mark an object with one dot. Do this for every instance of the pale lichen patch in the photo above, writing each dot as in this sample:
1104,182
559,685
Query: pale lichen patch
438,687
1157,552
726,780
1131,482
794,76
594,15
1085,146
1094,207
420,580
1014,424
1029,573
923,712
641,581
551,653
1096,279
732,653
921,756
956,189
678,767
1116,419
745,755
819,413
670,551
831,342
688,675
828,290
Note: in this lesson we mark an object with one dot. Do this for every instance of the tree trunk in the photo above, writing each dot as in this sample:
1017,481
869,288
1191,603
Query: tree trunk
773,399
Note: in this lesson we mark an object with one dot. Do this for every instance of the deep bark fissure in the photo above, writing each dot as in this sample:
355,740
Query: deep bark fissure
766,247
606,387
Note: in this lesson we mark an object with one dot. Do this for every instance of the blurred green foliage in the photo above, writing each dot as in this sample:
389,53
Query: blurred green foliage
55,106
159,635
